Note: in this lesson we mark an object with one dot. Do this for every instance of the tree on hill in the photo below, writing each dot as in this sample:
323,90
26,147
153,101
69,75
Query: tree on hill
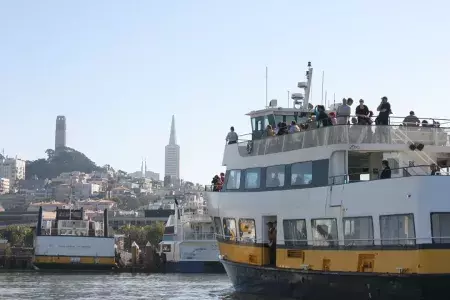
68,160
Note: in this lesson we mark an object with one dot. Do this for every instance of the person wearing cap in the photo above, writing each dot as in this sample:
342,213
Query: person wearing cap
411,120
384,111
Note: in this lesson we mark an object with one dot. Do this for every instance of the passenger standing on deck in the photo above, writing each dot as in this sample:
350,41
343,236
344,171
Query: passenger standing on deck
343,113
384,111
386,172
232,136
272,242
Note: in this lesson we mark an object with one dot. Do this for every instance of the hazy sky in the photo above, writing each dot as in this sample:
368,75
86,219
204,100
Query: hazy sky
118,70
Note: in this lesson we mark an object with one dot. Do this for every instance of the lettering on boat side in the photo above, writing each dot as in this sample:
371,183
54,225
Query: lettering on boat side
353,147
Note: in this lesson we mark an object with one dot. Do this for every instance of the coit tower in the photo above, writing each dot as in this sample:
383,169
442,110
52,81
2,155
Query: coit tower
60,133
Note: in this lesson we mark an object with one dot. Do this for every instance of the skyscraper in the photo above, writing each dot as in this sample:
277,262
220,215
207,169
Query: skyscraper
172,161
60,133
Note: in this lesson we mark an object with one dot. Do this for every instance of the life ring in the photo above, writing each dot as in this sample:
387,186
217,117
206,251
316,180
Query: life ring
249,147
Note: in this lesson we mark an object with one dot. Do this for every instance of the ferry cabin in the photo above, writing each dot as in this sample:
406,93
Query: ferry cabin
332,213
72,243
189,244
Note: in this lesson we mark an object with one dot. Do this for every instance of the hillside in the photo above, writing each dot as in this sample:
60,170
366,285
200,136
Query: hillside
68,160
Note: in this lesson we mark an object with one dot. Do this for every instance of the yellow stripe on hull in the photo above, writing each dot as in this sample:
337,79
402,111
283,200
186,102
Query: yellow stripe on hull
245,253
419,261
68,260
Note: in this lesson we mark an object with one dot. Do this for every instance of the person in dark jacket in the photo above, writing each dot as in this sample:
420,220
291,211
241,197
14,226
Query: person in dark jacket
386,172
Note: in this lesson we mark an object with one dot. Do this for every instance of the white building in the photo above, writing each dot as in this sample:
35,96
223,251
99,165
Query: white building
12,169
172,160
4,186
85,190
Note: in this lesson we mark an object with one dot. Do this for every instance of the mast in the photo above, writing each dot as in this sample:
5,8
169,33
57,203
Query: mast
309,74
267,76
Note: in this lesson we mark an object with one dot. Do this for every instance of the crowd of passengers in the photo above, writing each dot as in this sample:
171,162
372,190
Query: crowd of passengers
319,118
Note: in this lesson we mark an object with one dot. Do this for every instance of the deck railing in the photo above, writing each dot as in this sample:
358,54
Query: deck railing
345,134
419,170
199,236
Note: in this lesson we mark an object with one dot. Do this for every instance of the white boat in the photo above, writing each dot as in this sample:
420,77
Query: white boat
70,242
189,244
344,229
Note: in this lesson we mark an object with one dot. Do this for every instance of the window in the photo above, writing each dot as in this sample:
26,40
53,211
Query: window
324,232
358,231
218,226
275,176
234,180
252,178
247,230
166,247
295,232
397,230
440,227
229,229
301,173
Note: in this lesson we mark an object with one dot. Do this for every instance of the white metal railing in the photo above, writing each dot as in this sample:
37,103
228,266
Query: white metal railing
199,236
345,134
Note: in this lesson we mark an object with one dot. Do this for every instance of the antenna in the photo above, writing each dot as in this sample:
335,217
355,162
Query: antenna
323,78
267,76
288,98
334,98
326,99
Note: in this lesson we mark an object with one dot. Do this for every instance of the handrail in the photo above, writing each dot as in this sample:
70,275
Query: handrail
405,169
195,236
311,242
353,135
393,121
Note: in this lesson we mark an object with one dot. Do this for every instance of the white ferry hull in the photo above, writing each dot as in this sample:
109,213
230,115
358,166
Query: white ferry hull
74,253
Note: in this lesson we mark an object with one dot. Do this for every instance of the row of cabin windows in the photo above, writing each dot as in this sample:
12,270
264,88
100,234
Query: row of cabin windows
228,229
297,175
358,231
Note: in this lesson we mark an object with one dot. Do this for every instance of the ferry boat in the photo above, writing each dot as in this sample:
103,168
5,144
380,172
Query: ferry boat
189,244
341,232
72,243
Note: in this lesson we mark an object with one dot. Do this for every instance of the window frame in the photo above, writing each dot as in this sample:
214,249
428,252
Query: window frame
310,162
228,179
259,179
166,246
266,177
433,238
332,243
300,243
396,245
220,227
229,238
241,233
371,226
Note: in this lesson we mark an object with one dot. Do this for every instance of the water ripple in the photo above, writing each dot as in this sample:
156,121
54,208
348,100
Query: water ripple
39,286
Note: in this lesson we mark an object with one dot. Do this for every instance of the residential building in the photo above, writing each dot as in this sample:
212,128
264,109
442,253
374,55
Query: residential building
62,192
14,170
96,205
172,154
47,206
85,190
4,186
